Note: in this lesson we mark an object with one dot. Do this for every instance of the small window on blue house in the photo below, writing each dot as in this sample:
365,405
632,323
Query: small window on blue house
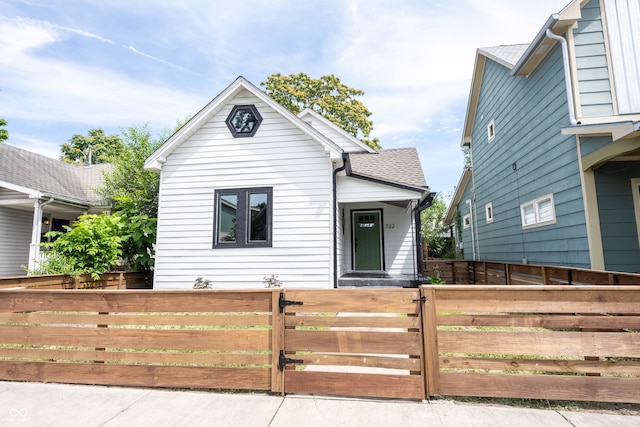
466,221
538,212
491,130
488,209
243,217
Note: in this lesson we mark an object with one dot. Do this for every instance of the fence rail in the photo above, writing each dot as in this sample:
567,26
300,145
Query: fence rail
543,342
115,280
496,273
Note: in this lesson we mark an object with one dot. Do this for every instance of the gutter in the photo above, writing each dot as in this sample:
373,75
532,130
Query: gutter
551,22
425,203
335,218
567,74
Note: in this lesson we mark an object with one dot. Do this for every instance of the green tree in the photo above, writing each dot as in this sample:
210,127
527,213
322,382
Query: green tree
435,232
4,134
128,186
92,246
102,148
327,96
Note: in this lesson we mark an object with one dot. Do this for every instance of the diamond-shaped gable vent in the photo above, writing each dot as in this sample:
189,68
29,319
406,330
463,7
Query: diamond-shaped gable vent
244,120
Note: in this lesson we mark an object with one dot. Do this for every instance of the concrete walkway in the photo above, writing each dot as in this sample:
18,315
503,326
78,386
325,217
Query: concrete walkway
38,404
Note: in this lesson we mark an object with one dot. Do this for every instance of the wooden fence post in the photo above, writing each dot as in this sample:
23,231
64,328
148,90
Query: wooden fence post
277,342
431,363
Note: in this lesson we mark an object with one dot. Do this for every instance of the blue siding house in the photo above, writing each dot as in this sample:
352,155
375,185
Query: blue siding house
553,132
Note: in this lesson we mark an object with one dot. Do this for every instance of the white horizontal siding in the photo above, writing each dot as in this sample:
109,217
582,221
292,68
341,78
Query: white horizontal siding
624,43
278,156
353,190
15,238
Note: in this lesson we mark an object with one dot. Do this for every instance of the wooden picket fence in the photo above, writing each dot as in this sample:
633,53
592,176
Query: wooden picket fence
499,273
113,280
542,342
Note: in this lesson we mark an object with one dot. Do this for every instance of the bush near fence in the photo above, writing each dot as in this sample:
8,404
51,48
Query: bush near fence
540,342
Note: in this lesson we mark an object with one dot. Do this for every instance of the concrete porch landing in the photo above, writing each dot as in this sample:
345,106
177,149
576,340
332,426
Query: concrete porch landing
378,280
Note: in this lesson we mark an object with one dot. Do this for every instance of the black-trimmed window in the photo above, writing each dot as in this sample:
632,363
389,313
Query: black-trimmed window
243,217
243,121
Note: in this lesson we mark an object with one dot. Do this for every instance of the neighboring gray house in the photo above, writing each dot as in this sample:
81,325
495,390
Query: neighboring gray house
553,129
39,194
249,190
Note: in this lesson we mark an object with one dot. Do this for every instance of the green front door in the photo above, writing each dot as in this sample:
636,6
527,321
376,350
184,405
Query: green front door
367,241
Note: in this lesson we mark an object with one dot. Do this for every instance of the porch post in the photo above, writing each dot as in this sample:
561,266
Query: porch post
36,229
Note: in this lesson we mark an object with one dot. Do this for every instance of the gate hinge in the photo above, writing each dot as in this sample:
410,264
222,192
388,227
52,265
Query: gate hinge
422,299
282,361
283,302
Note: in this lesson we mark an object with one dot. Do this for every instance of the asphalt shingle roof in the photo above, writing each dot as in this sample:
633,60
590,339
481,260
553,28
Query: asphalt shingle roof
508,53
399,166
52,177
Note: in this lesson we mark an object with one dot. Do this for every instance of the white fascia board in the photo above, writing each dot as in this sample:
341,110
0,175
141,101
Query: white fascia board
309,112
34,194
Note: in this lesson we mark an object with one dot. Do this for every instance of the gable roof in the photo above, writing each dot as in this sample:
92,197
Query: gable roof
42,176
400,166
520,59
309,113
159,157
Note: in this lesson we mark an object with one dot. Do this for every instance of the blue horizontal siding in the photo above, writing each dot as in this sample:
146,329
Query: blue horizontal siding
617,215
594,87
528,113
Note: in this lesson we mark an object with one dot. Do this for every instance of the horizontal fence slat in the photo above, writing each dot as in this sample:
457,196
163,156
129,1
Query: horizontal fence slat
125,357
141,319
542,365
353,342
569,299
553,387
138,301
353,322
357,301
350,384
138,375
320,359
541,321
611,344
150,339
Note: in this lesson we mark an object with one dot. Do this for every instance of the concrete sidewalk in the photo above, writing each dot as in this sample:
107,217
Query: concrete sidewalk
38,404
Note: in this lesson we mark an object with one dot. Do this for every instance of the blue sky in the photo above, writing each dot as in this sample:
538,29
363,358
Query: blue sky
70,66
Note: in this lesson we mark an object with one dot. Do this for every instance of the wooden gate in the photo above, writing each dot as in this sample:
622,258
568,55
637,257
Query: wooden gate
352,342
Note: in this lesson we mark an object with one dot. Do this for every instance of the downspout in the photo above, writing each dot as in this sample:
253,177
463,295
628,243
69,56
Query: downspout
567,75
473,241
335,218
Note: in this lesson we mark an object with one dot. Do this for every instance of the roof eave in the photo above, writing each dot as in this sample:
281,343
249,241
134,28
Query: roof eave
457,195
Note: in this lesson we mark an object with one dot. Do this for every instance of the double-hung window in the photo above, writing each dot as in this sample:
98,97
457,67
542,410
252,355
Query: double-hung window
538,212
243,217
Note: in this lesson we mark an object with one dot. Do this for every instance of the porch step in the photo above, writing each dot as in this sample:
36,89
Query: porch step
378,282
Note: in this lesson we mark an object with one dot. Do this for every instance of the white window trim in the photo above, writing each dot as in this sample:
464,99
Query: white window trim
491,130
635,190
488,211
466,221
536,203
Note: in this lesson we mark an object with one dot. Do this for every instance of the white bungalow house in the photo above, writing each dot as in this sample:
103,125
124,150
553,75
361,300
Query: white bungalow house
40,194
249,190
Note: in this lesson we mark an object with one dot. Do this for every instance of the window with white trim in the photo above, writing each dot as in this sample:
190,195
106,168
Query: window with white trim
491,130
243,217
488,210
538,212
466,221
